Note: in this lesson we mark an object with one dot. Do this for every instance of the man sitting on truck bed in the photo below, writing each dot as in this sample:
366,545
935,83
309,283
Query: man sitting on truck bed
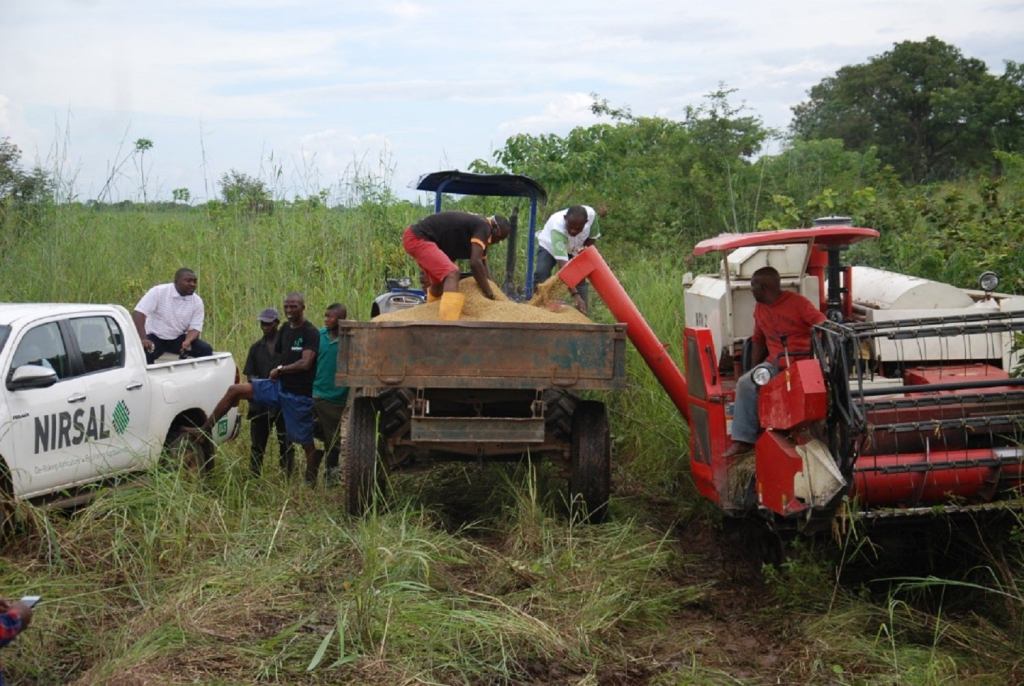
169,318
436,241
782,329
290,386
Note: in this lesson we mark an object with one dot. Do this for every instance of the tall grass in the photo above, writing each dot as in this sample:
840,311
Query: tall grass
472,574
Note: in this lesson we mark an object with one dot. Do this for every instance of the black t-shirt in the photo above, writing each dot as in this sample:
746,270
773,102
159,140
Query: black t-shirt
452,231
261,359
290,344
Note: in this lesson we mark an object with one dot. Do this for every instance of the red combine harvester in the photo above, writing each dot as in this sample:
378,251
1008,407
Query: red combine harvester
908,407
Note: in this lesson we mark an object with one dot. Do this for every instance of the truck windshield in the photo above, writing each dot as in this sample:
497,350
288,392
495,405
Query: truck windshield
5,331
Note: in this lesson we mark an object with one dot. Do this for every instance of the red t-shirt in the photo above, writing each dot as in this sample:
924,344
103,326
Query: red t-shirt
791,315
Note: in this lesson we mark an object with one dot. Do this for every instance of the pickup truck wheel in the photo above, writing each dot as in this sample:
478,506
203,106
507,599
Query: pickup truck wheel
590,472
190,451
8,508
363,470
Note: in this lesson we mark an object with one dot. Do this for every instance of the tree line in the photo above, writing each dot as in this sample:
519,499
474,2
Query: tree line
919,142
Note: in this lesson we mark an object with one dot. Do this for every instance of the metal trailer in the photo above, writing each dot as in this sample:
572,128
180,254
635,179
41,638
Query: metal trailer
480,391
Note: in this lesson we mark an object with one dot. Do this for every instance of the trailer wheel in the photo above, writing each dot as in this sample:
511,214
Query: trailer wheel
559,407
363,470
590,472
394,405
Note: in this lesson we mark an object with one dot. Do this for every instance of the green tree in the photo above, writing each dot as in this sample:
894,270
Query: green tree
141,146
18,185
181,195
663,180
932,113
241,190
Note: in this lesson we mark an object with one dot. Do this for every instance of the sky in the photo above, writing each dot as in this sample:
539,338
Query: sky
314,95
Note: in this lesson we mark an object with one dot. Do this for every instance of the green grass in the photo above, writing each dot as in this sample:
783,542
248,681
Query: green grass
471,574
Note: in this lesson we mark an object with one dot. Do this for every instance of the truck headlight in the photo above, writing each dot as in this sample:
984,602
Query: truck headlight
761,374
988,281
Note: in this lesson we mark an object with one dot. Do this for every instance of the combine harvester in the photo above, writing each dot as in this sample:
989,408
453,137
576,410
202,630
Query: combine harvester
909,407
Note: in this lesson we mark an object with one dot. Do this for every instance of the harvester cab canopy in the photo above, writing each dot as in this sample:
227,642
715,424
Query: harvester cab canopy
501,185
808,262
826,236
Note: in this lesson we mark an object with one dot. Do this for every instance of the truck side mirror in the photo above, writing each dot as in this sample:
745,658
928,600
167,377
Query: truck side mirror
31,376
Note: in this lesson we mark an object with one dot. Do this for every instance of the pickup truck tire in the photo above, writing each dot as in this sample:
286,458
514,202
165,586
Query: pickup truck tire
362,469
190,451
8,508
590,470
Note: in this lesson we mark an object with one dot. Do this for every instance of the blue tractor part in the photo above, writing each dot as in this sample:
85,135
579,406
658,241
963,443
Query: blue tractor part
399,295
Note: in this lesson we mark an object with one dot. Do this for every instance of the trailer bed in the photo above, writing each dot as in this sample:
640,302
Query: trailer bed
481,355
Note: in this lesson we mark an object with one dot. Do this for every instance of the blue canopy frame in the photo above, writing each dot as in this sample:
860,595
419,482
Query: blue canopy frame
502,185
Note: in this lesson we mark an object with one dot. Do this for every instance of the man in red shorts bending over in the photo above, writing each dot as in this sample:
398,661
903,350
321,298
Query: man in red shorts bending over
436,241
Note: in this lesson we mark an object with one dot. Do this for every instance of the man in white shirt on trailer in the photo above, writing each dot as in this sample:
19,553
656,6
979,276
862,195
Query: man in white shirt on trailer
564,235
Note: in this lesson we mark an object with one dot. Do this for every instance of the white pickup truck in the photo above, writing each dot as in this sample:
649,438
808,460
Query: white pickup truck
80,404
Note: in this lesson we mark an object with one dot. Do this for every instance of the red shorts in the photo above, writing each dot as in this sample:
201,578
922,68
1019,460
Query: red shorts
428,256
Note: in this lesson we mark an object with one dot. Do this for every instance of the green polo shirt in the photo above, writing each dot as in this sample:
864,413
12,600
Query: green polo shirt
326,366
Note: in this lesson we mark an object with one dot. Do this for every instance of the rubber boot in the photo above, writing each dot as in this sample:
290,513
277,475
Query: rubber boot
451,305
431,297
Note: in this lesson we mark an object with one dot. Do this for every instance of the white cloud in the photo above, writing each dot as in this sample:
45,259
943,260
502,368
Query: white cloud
5,119
566,112
425,82
406,10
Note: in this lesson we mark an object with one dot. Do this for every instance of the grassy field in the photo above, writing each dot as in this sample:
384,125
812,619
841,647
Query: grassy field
470,574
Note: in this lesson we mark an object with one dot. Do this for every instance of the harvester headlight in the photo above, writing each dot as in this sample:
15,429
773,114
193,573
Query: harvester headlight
988,281
761,375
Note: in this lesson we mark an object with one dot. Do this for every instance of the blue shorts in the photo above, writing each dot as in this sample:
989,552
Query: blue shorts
297,409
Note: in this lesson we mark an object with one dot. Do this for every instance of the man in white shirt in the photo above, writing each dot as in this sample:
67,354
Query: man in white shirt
169,318
564,235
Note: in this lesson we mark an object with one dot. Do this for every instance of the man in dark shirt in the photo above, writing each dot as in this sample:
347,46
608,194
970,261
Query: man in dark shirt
262,358
290,385
436,241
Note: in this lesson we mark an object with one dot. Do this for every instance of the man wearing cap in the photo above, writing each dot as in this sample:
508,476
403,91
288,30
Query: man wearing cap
169,318
436,241
261,360
289,386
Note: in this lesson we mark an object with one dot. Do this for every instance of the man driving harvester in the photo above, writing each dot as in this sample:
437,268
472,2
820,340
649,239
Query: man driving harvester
783,321
436,241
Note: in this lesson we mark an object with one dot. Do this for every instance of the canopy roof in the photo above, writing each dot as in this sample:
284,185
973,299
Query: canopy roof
467,183
819,235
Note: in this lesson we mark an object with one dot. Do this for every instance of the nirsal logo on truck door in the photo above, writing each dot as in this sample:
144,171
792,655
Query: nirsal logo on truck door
65,429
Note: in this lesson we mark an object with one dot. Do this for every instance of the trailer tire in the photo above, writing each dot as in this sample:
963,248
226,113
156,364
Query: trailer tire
395,410
362,467
559,407
590,469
